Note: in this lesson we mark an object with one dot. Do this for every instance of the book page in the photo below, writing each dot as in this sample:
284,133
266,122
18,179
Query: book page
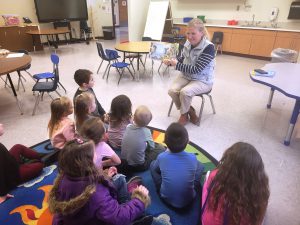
162,50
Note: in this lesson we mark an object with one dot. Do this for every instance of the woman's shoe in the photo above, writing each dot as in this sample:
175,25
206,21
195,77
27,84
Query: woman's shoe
183,119
193,116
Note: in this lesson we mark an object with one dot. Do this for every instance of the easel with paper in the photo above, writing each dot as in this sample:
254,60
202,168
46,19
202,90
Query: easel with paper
158,19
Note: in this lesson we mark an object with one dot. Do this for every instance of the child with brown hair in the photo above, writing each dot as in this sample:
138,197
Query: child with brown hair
94,129
119,117
138,148
81,194
176,173
84,106
61,128
237,191
84,78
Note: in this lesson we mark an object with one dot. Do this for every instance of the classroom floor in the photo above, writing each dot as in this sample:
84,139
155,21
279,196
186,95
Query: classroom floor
240,105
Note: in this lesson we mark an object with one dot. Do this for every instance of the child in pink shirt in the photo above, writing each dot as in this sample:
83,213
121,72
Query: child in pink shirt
61,128
237,192
93,129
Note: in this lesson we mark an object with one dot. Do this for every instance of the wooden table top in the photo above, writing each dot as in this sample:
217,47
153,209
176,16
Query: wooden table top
286,79
8,65
134,47
61,30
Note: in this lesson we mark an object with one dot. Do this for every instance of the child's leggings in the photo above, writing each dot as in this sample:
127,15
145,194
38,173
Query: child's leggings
30,170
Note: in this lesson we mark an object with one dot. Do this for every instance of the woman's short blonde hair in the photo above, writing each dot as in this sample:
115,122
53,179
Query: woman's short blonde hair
198,24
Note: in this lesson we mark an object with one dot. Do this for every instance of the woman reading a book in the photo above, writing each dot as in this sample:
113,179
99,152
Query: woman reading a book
197,66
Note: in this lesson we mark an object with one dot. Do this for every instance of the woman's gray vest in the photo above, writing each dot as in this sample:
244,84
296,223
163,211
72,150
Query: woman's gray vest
190,57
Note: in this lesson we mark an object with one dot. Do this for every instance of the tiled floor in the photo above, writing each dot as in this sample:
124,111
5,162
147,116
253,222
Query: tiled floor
241,115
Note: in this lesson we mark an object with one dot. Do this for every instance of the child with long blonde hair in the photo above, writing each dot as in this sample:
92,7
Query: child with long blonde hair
84,106
61,128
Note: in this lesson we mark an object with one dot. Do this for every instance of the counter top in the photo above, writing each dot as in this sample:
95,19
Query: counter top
281,26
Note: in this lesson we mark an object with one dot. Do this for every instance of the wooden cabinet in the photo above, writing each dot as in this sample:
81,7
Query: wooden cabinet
290,40
14,38
262,43
241,41
254,42
227,34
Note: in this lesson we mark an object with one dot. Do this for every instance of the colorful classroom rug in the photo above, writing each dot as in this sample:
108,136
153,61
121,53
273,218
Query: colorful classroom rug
29,206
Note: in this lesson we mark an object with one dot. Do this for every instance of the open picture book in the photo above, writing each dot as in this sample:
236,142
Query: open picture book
163,50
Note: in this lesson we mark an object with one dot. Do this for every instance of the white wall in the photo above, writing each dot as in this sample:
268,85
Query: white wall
227,9
100,14
137,15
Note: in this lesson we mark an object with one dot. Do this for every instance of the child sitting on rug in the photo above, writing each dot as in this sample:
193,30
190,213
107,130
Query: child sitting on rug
119,117
84,106
176,173
84,78
82,195
138,148
237,191
93,129
61,128
13,169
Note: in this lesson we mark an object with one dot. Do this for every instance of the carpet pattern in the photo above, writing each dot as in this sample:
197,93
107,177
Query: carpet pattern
29,206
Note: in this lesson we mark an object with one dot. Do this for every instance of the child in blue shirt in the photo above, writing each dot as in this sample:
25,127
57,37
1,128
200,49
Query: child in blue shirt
176,173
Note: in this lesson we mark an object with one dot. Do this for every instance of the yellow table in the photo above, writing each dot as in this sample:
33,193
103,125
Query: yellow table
138,47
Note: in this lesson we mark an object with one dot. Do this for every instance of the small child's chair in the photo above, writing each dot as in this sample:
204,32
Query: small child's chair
217,40
118,65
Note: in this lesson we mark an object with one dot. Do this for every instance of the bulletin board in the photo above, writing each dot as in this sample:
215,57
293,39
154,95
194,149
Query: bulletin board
156,18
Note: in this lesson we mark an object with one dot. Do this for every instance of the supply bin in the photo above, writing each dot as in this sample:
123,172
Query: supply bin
108,32
284,55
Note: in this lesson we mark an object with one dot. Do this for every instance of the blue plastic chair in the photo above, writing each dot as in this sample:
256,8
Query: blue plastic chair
47,86
118,65
50,75
105,57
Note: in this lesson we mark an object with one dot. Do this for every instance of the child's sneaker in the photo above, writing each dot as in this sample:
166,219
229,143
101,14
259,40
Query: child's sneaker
133,183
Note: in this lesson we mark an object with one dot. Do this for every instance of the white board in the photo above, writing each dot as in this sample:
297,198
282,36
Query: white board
156,17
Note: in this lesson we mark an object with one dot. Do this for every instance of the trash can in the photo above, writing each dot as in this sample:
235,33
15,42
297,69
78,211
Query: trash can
107,32
284,55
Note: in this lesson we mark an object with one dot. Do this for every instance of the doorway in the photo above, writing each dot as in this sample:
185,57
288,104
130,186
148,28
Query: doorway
121,19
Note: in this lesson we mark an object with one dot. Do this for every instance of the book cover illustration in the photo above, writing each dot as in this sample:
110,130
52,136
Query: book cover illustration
163,50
